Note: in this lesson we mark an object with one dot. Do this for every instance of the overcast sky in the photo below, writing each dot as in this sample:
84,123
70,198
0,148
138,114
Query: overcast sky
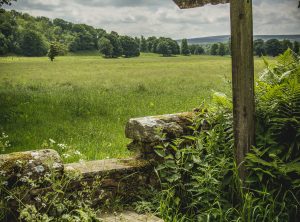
163,17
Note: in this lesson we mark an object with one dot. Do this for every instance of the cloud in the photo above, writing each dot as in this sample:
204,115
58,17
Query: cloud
163,17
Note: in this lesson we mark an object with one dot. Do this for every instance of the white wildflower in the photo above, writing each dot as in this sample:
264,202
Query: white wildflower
29,173
19,175
2,172
37,199
66,155
77,152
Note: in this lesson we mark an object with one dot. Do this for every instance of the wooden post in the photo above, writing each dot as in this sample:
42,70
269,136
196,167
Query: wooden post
242,79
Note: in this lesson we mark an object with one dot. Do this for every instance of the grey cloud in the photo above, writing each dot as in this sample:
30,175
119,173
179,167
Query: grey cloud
163,18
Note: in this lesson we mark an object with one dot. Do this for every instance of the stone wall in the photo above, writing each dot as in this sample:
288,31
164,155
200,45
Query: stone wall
119,177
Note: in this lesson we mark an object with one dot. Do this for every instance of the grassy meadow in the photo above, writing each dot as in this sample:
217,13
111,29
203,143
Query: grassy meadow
85,100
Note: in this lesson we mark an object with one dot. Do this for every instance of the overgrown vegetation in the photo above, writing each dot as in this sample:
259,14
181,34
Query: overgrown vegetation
199,178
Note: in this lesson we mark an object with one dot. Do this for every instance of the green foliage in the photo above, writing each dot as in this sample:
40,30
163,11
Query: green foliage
214,49
259,47
33,44
296,47
184,47
222,49
273,47
105,47
56,203
130,46
199,178
54,50
117,50
164,48
144,45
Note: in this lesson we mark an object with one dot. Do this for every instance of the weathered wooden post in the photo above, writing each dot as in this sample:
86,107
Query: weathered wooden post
242,72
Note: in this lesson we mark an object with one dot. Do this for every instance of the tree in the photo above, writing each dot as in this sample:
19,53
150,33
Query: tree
184,47
3,44
33,44
130,46
273,47
53,50
105,47
164,48
113,37
144,44
221,50
214,49
296,47
286,44
259,47
199,50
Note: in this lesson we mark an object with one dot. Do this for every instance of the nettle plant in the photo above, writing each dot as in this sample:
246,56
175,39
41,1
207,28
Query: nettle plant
199,178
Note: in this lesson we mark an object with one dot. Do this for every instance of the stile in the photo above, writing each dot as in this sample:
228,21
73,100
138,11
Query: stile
242,73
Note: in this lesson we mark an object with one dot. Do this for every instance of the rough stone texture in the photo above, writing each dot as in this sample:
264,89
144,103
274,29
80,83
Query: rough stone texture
33,164
129,216
148,132
183,4
146,129
122,178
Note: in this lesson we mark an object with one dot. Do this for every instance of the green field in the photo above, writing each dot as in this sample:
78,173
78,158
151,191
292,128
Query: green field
85,101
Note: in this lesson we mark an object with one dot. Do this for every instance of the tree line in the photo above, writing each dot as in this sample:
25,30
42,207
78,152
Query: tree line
26,35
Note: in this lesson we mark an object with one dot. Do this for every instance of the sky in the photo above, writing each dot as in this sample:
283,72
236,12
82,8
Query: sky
163,17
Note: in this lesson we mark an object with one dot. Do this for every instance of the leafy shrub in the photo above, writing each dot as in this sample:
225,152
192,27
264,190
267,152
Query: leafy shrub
199,177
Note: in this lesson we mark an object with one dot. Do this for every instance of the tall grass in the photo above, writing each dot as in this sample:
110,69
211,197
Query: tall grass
85,100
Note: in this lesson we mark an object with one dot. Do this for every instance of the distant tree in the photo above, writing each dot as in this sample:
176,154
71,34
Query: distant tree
130,46
143,45
273,47
221,50
286,44
184,47
152,44
105,47
33,44
113,37
199,50
163,48
4,44
174,47
259,47
214,49
296,47
54,50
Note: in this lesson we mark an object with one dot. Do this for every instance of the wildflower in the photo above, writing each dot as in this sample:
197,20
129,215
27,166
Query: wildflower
62,146
19,175
24,179
43,205
2,172
37,199
66,155
39,169
29,173
30,161
77,152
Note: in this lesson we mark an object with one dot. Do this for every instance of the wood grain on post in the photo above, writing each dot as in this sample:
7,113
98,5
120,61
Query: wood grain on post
242,79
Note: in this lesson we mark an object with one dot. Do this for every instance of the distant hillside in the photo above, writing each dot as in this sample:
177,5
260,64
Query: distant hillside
225,38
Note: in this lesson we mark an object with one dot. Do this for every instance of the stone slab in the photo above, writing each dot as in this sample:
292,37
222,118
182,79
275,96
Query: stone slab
150,129
129,216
